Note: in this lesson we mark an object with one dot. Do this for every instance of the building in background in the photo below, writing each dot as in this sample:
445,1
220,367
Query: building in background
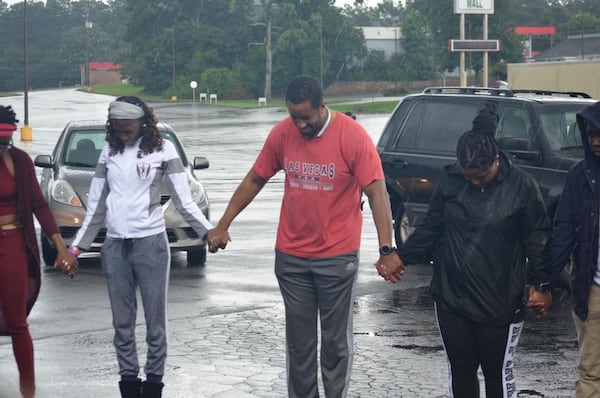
101,73
386,39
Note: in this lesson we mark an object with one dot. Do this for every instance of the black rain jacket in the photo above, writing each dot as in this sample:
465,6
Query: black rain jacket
485,244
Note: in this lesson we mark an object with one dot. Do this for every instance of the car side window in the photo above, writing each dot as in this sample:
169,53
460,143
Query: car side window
435,126
514,122
84,148
408,137
562,131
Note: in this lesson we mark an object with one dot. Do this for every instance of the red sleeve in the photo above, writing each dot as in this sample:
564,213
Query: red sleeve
268,161
366,163
39,205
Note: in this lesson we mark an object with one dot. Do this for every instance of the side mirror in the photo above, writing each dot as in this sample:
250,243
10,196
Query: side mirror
200,162
44,161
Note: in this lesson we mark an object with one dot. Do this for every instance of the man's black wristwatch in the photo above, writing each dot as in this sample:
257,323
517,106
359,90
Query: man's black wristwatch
543,287
385,250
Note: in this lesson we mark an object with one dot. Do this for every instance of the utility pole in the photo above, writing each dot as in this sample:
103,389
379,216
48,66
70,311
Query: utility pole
268,62
173,95
320,17
26,132
87,74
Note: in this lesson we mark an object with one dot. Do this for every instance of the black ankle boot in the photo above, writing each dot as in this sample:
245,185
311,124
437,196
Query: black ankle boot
131,388
152,390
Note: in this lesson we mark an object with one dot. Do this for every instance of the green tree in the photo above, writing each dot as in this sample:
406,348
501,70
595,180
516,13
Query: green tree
418,61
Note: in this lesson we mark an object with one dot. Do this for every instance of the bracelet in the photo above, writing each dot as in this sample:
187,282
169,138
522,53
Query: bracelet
74,250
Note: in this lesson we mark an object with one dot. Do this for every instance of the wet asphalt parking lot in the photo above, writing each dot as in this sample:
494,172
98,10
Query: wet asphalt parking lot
226,324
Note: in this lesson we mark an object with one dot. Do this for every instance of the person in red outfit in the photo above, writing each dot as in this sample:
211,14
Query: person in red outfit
20,199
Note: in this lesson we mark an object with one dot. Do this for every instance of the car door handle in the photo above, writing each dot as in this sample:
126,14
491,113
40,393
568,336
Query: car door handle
399,163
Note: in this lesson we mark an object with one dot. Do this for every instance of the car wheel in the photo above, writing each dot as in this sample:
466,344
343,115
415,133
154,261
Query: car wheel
196,257
48,252
402,228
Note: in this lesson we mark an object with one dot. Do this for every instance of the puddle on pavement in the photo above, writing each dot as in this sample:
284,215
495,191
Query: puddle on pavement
419,348
408,314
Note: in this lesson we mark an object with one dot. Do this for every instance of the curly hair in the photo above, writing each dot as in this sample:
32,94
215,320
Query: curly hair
8,115
477,148
151,138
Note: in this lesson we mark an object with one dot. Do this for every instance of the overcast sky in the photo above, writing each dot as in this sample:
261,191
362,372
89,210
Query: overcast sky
369,3
339,3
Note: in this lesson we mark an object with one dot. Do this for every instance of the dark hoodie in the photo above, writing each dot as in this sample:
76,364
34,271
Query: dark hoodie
575,233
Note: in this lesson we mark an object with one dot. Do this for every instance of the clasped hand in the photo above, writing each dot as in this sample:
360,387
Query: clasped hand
539,302
217,238
66,263
390,267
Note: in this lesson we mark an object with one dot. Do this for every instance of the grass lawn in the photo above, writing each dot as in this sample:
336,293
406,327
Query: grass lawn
338,104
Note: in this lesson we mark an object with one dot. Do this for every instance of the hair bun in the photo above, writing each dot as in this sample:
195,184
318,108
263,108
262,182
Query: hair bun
487,120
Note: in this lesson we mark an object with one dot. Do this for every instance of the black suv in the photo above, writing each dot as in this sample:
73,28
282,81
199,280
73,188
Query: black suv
537,128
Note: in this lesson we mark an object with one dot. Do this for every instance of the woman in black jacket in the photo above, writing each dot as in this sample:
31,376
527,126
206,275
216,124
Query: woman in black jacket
485,231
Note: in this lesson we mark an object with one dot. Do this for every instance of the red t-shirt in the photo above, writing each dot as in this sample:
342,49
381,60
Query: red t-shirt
320,212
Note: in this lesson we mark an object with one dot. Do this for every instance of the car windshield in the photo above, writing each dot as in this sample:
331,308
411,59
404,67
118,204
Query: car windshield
83,147
561,128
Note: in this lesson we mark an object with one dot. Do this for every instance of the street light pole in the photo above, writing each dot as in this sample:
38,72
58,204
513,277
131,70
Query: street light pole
174,95
88,28
321,45
268,62
26,132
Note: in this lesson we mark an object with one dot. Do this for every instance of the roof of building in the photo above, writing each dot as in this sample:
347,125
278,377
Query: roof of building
104,66
574,47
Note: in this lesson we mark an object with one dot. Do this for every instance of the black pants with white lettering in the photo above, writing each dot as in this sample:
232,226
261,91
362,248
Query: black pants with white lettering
470,344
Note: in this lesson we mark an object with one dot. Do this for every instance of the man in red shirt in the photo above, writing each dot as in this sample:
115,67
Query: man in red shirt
329,160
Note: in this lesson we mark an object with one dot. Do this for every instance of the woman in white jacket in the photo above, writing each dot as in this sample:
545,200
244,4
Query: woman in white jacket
125,191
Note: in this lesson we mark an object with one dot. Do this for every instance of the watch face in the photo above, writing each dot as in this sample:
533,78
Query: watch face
544,287
385,250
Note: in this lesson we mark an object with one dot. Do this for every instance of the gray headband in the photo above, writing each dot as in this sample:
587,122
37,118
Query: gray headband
124,110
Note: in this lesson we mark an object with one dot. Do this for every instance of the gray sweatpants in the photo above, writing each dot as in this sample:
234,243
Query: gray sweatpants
321,288
127,264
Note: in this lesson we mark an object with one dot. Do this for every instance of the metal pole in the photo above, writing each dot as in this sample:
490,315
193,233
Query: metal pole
485,53
26,132
582,34
26,62
321,41
173,95
463,77
268,62
88,74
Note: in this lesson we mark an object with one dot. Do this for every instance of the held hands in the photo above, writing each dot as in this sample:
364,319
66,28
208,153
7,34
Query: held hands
217,238
390,267
539,301
66,263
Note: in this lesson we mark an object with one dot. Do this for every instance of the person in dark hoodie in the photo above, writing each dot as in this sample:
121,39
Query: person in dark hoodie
20,199
575,237
486,231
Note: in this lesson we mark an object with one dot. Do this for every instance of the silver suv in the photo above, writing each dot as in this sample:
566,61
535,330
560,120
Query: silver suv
67,176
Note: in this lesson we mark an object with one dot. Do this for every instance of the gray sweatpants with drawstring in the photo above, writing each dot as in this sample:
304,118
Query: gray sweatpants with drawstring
318,289
128,264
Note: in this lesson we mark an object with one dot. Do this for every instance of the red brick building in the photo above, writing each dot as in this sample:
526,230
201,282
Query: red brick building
101,73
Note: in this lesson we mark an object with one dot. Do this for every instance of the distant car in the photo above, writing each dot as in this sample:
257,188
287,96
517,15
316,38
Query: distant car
66,179
499,84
